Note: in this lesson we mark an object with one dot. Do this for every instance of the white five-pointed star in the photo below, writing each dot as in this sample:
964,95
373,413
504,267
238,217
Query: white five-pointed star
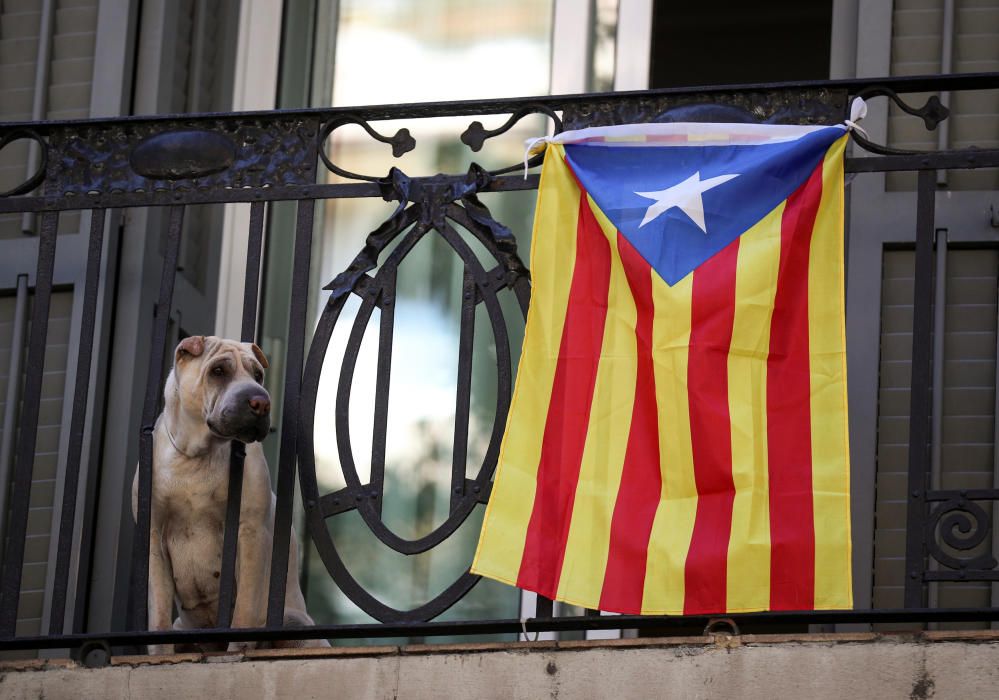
686,196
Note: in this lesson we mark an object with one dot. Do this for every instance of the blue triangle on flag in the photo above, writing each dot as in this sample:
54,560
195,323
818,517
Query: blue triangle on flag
734,186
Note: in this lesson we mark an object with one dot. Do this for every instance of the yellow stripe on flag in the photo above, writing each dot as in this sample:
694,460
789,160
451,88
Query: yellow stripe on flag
827,346
674,521
553,251
588,542
755,288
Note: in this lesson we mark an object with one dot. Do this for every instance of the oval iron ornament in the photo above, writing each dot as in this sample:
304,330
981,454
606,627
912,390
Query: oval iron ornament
182,155
377,290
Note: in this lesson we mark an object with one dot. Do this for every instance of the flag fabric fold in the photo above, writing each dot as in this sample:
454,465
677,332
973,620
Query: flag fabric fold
677,440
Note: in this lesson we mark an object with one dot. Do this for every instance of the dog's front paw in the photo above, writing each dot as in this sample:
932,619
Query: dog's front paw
240,647
159,649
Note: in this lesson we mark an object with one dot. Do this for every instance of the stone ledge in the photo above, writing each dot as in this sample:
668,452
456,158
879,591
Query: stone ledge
753,667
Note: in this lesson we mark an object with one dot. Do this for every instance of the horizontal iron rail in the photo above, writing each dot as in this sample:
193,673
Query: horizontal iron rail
505,626
463,108
941,160
221,196
963,494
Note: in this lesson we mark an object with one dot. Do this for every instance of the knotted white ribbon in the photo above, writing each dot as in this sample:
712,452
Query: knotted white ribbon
529,147
858,110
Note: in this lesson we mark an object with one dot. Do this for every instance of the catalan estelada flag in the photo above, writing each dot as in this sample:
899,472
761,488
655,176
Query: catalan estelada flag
677,440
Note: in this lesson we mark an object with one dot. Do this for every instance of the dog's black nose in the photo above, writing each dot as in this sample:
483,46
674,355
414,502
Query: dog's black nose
260,405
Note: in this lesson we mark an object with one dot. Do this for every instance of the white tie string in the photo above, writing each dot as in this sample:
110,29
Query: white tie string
858,110
530,145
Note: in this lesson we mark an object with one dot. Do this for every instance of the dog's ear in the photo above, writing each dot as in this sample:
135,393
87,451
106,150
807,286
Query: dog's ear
193,346
259,354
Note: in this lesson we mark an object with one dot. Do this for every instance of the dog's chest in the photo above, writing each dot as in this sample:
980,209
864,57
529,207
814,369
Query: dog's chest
192,535
195,551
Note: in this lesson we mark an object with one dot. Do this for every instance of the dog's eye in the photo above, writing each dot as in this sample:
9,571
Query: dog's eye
218,371
259,376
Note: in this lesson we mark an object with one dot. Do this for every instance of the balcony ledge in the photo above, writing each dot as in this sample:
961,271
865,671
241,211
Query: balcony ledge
917,665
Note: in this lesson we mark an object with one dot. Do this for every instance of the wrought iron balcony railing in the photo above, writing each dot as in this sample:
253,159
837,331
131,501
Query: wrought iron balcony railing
174,162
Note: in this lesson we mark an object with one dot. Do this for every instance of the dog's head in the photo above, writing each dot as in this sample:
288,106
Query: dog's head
222,381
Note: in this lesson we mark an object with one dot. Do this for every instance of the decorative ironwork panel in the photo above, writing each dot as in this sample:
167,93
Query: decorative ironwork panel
197,154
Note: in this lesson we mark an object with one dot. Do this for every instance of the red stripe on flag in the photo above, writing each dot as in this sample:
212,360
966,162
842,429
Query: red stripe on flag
641,479
711,319
569,408
792,525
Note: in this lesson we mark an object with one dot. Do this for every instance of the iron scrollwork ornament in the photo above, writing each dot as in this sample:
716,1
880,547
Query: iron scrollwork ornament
36,178
962,525
933,112
402,142
476,134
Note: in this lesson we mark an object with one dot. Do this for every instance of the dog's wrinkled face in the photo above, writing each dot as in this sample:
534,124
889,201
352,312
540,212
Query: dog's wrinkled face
222,381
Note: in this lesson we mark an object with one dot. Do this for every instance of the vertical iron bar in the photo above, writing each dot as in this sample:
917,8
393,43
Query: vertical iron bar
939,330
252,287
936,433
40,97
946,66
545,606
154,380
80,400
919,406
20,492
13,398
383,383
994,586
463,391
289,412
237,452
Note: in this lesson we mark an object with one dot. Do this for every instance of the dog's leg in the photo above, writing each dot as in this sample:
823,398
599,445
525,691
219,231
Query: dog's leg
295,614
253,559
160,599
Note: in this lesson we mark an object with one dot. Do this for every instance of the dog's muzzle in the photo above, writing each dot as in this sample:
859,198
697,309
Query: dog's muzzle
244,414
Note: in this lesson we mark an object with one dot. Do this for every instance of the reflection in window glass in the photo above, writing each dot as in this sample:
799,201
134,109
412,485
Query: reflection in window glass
396,51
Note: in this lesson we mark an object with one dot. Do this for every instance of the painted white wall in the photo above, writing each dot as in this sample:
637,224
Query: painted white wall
634,45
255,88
